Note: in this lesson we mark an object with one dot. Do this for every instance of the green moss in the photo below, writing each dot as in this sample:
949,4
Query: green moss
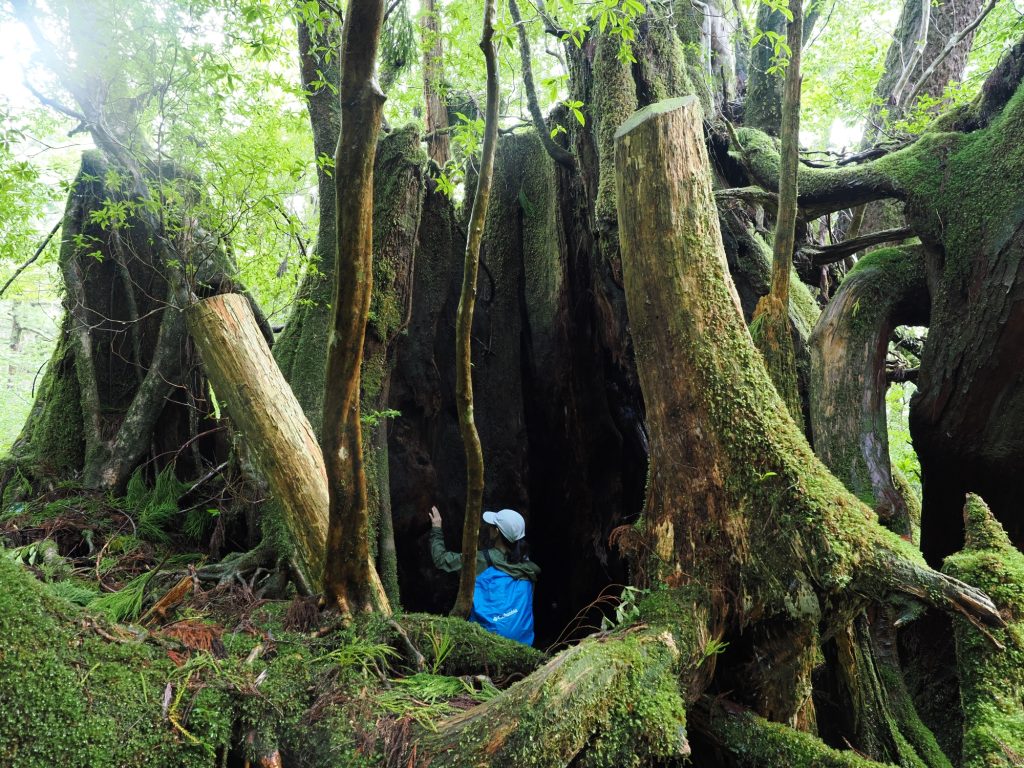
613,702
991,679
614,100
753,742
69,697
473,650
52,442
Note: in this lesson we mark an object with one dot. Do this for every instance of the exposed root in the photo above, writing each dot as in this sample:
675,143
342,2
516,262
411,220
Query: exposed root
748,741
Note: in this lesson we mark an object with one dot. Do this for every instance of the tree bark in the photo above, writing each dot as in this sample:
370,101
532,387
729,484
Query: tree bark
350,578
464,328
438,141
848,349
279,439
770,328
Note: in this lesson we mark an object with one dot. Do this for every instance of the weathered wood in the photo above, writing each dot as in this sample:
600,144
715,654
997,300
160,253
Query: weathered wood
264,411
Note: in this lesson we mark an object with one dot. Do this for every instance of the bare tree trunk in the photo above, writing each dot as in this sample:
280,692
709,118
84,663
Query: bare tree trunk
350,578
464,328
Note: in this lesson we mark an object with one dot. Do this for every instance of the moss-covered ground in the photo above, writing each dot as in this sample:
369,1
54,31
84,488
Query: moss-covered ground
214,676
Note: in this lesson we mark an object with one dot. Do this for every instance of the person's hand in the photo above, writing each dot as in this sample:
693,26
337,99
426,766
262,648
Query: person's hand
435,518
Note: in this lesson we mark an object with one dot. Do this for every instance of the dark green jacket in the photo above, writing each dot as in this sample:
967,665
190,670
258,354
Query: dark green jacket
452,561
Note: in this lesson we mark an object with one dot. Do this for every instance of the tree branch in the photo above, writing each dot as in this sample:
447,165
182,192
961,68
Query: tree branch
915,56
35,257
753,195
952,43
560,155
821,255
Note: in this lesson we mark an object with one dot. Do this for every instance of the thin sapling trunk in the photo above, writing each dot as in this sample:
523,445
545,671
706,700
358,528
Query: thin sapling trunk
770,329
464,328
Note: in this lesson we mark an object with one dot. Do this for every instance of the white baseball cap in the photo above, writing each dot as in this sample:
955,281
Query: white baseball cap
509,522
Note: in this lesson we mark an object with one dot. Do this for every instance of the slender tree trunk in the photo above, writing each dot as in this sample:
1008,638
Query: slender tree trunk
558,154
771,329
464,328
350,578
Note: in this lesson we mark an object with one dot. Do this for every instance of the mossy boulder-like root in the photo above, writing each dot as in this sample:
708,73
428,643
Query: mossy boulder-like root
886,288
991,665
745,740
614,700
736,498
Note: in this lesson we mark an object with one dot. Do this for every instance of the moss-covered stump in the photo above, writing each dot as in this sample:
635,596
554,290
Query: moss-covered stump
991,665
849,344
736,498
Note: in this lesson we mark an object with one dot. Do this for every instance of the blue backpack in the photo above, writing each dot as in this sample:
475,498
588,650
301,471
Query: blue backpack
503,604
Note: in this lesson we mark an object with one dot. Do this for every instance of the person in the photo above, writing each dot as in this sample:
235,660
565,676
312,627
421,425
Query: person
503,595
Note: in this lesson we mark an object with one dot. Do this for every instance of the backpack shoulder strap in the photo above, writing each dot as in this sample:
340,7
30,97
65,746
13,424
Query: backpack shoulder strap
487,557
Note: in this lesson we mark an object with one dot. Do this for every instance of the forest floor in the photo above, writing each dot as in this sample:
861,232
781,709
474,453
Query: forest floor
216,664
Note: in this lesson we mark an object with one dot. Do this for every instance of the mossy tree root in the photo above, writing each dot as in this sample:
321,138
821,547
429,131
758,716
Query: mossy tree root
745,740
884,723
614,700
848,380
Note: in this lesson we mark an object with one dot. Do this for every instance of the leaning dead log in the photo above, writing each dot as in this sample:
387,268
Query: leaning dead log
264,411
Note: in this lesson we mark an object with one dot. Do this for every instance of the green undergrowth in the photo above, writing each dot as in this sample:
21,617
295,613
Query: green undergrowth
77,689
